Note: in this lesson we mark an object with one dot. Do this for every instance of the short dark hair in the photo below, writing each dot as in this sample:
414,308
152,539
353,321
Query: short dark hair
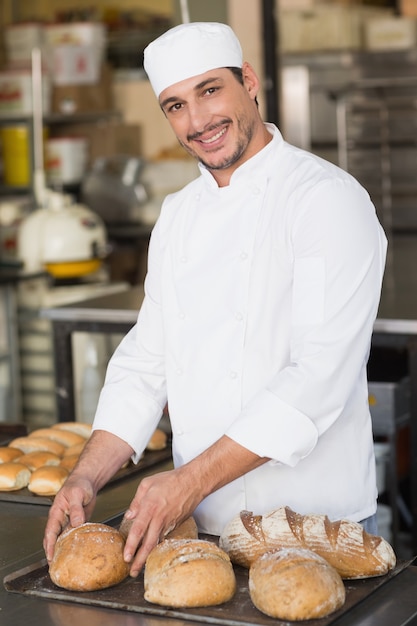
238,74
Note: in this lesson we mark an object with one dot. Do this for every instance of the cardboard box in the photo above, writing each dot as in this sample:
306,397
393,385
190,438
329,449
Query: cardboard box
390,33
408,8
79,98
106,138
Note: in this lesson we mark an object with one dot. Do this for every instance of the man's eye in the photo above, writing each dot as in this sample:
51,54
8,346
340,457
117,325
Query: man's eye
175,107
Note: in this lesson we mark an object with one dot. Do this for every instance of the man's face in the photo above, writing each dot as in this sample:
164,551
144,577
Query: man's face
214,118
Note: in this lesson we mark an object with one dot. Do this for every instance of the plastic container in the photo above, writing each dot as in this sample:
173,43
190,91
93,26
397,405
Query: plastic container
65,159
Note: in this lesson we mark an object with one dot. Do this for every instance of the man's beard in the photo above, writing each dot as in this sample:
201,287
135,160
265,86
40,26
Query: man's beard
244,138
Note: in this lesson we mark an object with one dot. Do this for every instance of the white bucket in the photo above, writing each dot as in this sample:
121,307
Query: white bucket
65,160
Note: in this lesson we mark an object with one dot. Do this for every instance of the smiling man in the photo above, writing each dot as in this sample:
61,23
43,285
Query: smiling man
263,284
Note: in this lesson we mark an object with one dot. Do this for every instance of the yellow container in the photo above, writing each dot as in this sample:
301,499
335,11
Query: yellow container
16,155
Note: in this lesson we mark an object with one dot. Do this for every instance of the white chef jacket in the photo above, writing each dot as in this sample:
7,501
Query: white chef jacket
259,305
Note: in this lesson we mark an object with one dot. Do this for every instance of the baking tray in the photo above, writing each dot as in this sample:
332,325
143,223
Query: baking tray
128,596
149,459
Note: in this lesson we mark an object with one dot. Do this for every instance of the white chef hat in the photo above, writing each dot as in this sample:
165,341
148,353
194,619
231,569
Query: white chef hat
189,50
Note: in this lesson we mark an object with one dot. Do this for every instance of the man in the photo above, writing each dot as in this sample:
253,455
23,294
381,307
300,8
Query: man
263,284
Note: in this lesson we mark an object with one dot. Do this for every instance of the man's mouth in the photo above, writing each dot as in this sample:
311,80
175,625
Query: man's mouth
214,137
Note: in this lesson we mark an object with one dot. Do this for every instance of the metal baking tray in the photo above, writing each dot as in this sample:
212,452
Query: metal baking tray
149,459
128,596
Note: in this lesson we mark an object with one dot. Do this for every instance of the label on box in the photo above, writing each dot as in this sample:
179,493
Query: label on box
74,65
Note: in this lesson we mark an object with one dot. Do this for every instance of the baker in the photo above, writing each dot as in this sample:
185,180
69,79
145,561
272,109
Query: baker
263,284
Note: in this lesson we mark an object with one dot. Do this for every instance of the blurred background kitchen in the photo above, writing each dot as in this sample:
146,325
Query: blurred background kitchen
86,158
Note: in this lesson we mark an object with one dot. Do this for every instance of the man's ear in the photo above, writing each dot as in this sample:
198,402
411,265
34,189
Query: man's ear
250,80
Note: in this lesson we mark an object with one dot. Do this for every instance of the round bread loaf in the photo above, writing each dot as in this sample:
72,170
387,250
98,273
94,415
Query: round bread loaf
88,557
158,441
14,476
34,444
34,460
8,454
47,480
80,428
295,584
65,437
188,573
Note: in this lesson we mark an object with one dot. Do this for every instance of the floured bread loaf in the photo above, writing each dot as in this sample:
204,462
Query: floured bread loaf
88,557
47,480
295,584
188,573
344,544
14,476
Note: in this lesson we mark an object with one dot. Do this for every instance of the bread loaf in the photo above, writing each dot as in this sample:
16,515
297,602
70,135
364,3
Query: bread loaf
65,437
188,573
34,444
34,460
158,441
75,449
69,461
295,584
8,454
344,544
13,476
88,557
47,480
80,428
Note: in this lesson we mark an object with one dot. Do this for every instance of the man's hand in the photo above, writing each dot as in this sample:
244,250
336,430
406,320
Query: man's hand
72,506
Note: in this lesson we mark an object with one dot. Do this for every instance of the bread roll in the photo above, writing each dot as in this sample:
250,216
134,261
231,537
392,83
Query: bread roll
34,460
88,557
158,441
76,449
69,461
80,428
65,437
47,480
344,544
13,476
8,454
188,573
34,444
295,584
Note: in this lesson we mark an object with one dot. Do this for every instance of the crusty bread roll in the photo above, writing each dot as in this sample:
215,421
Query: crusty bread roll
8,454
80,428
34,460
47,480
13,476
65,437
34,444
88,557
186,530
295,584
344,544
188,573
158,441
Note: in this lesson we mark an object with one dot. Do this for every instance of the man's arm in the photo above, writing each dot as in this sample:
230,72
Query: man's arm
164,500
102,456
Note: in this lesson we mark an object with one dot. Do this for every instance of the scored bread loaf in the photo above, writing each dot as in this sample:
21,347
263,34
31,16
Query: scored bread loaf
14,476
188,573
295,584
47,480
344,544
88,557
